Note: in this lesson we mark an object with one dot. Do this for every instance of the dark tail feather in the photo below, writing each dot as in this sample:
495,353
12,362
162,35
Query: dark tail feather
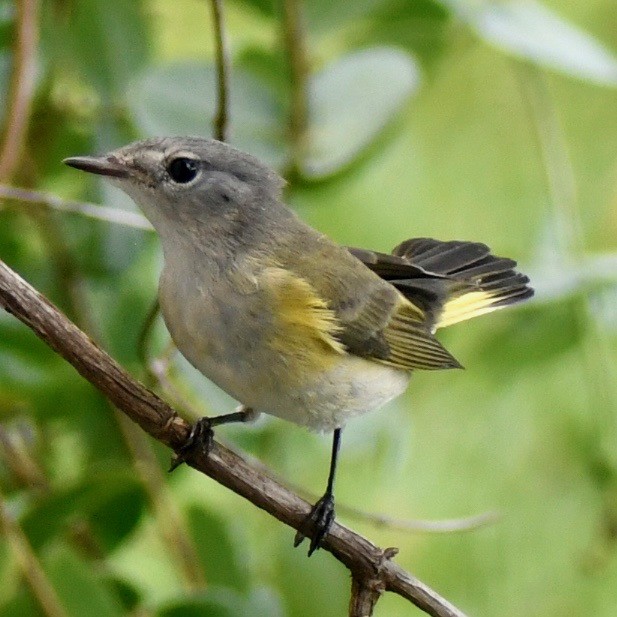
480,281
450,281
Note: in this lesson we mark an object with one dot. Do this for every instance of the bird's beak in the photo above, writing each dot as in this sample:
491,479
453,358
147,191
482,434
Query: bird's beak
101,165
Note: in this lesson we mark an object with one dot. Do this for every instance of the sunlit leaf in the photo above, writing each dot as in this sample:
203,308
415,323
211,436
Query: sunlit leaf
351,101
530,30
218,550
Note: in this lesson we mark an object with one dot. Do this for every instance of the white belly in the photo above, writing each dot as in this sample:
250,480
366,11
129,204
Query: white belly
352,388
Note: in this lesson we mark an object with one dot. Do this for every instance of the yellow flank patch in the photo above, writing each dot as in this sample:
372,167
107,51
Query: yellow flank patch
466,306
305,327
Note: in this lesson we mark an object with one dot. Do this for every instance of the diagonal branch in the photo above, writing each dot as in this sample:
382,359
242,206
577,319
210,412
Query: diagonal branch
370,566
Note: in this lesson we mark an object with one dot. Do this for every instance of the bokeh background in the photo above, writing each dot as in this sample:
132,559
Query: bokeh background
458,119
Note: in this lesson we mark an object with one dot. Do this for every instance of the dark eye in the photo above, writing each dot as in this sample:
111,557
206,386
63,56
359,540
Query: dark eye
182,170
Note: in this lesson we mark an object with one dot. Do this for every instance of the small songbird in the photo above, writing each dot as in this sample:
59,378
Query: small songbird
278,315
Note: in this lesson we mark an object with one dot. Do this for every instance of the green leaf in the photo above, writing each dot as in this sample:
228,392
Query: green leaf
419,26
107,45
222,602
180,99
331,14
218,549
110,501
529,30
350,103
20,604
531,337
79,588
215,602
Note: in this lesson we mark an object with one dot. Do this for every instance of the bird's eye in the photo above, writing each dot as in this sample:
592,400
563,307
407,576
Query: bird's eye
182,170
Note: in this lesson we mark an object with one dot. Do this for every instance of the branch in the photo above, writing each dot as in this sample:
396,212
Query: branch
221,119
101,213
294,32
29,565
448,525
21,89
367,562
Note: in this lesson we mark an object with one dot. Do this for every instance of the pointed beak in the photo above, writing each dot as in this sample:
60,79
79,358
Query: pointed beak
101,165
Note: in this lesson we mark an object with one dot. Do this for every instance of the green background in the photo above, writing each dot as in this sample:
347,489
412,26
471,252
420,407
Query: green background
489,121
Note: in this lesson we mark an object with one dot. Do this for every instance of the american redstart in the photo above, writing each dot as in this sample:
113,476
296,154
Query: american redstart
278,315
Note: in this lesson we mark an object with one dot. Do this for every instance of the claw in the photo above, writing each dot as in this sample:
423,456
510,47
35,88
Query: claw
317,524
199,440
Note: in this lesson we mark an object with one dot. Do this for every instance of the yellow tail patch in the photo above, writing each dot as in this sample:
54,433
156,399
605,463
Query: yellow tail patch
466,306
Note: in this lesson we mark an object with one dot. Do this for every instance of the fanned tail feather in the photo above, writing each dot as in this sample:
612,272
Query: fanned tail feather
470,280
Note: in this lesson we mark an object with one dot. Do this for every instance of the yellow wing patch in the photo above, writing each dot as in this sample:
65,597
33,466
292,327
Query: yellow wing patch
305,326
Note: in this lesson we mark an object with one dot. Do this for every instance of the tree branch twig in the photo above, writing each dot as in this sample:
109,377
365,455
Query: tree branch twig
21,89
90,210
29,565
366,561
294,34
221,119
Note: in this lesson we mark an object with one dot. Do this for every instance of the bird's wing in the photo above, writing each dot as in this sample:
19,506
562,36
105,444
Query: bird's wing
383,326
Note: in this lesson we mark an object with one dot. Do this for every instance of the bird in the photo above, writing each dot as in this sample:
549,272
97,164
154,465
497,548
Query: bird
281,317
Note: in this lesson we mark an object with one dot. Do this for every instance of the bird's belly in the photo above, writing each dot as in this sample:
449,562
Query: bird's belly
326,400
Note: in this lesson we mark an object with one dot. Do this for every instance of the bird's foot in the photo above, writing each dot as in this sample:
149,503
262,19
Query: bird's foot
200,440
317,524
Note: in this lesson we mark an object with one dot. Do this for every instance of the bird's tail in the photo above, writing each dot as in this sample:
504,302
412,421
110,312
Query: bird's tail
462,280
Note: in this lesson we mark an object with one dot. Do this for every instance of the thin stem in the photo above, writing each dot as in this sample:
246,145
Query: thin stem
159,371
438,526
168,517
449,525
90,210
29,565
144,336
221,119
294,35
17,458
21,88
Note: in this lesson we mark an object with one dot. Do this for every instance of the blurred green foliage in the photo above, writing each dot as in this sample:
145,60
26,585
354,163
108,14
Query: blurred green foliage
475,119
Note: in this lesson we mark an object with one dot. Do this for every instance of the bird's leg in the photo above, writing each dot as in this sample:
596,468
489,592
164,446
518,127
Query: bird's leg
202,433
317,524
